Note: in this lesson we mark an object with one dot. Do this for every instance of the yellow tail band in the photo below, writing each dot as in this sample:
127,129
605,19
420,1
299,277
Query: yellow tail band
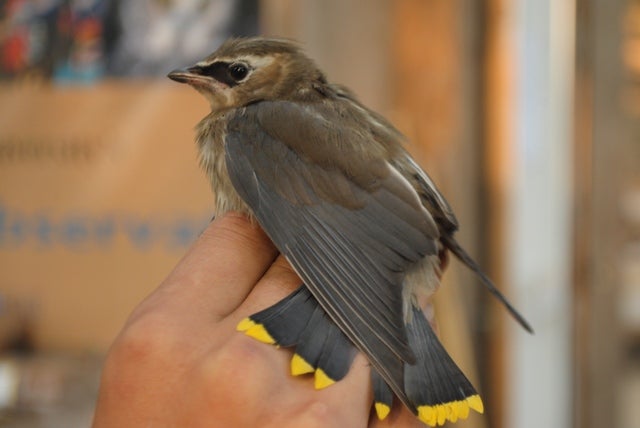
437,414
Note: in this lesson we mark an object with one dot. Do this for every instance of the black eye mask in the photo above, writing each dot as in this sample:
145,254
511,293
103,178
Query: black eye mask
224,72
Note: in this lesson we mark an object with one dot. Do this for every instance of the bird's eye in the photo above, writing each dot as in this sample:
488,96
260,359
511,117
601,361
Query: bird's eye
238,71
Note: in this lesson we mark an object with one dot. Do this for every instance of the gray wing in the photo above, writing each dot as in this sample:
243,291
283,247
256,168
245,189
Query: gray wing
350,243
430,195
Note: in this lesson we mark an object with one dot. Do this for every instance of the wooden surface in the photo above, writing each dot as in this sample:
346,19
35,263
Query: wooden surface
607,156
100,195
583,205
498,119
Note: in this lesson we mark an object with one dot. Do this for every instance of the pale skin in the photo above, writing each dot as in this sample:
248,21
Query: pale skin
179,361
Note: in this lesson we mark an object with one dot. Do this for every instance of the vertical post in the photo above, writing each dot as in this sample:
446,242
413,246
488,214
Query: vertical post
583,207
498,118
539,227
599,336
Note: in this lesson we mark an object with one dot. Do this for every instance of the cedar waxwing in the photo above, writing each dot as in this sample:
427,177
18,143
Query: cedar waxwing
361,223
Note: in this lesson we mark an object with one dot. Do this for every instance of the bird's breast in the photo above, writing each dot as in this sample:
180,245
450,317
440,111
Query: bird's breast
211,132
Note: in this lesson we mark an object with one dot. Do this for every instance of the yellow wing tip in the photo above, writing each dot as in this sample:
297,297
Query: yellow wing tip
475,403
300,366
245,324
437,414
441,410
322,380
258,332
453,411
382,410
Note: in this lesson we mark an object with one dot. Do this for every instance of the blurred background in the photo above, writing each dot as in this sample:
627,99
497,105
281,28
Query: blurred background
525,112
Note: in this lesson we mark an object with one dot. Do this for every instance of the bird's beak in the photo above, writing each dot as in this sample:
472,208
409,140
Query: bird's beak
192,75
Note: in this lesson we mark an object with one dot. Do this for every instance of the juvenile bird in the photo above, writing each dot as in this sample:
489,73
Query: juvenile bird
361,223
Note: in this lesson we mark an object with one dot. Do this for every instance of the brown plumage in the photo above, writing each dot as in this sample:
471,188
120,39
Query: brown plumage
361,223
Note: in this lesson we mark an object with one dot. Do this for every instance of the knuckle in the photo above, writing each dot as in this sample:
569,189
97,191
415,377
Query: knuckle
281,278
282,265
241,365
236,378
142,341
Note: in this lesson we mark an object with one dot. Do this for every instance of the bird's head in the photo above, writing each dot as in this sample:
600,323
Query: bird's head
246,70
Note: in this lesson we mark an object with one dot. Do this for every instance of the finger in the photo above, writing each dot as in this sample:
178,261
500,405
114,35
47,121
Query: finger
345,403
279,281
243,379
352,397
220,269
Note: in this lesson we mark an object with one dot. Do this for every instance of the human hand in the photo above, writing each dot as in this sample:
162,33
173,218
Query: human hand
179,361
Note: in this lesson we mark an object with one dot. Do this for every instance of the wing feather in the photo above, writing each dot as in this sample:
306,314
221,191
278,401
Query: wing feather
349,240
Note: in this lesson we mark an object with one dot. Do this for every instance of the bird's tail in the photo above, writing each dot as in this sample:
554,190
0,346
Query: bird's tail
436,388
435,385
465,258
